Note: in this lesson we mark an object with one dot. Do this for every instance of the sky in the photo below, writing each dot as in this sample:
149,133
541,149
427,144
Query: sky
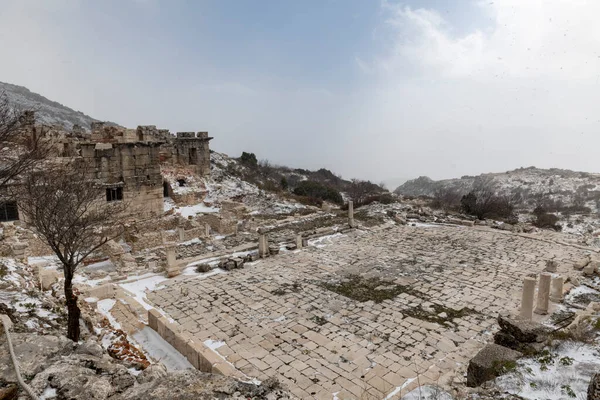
381,90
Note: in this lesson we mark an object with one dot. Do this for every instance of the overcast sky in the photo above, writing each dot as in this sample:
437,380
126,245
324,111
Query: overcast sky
380,90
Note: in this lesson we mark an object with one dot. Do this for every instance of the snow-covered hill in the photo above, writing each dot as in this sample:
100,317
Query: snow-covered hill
528,183
47,111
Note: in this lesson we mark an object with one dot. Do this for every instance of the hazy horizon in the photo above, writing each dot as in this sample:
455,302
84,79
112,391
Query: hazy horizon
386,91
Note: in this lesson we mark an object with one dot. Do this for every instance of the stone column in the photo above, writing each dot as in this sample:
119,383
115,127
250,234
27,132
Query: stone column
556,290
263,245
527,298
543,294
298,242
172,269
181,232
351,213
207,230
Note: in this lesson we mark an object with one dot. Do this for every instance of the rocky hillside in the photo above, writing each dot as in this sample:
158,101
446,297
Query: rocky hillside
47,111
528,184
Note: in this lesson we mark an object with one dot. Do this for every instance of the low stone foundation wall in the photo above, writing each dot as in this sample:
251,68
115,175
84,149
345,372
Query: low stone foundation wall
106,291
197,353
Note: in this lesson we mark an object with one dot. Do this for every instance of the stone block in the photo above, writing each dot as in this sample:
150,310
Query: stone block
239,262
551,266
173,271
213,359
171,333
48,277
588,270
180,342
191,353
153,317
524,331
161,327
106,291
581,263
492,361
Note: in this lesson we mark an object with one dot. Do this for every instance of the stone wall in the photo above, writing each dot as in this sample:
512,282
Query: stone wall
193,149
132,167
219,224
128,160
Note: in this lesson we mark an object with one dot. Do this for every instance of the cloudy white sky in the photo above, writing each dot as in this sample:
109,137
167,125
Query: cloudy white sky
380,90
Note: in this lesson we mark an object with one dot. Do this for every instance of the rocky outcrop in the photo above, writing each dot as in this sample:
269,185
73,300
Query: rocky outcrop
83,376
195,385
86,372
492,361
34,352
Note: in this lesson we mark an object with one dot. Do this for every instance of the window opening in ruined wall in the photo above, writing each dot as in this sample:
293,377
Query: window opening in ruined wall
114,194
9,211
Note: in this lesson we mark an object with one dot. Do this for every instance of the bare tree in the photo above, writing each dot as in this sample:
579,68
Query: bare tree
72,212
446,198
359,190
20,150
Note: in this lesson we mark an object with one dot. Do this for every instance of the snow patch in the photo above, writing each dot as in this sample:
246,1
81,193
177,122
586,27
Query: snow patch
159,350
104,307
143,283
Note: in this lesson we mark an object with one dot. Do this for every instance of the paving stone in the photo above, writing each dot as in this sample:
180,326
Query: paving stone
444,267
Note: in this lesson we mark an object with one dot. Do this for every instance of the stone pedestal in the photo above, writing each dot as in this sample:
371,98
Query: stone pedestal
18,250
527,298
556,289
172,269
351,214
298,242
263,245
551,266
543,294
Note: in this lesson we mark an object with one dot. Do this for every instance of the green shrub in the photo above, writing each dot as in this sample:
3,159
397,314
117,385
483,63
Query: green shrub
485,204
249,159
284,183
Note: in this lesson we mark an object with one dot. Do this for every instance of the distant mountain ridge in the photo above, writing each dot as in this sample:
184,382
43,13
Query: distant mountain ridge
527,182
46,111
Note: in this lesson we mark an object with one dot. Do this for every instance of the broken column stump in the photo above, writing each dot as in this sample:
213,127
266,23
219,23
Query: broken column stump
527,298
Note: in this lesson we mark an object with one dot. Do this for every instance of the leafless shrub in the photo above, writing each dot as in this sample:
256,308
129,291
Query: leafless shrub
70,210
19,150
447,199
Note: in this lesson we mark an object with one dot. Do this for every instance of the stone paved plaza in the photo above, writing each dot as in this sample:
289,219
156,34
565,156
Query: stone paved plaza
284,316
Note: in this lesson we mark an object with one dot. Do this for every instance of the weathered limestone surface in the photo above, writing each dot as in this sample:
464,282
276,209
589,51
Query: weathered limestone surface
543,296
556,290
277,319
489,363
527,298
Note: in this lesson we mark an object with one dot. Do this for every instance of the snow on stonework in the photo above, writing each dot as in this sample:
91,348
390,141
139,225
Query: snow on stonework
556,373
20,295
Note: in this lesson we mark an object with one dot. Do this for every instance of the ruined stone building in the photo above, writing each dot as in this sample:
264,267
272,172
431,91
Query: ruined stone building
127,161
